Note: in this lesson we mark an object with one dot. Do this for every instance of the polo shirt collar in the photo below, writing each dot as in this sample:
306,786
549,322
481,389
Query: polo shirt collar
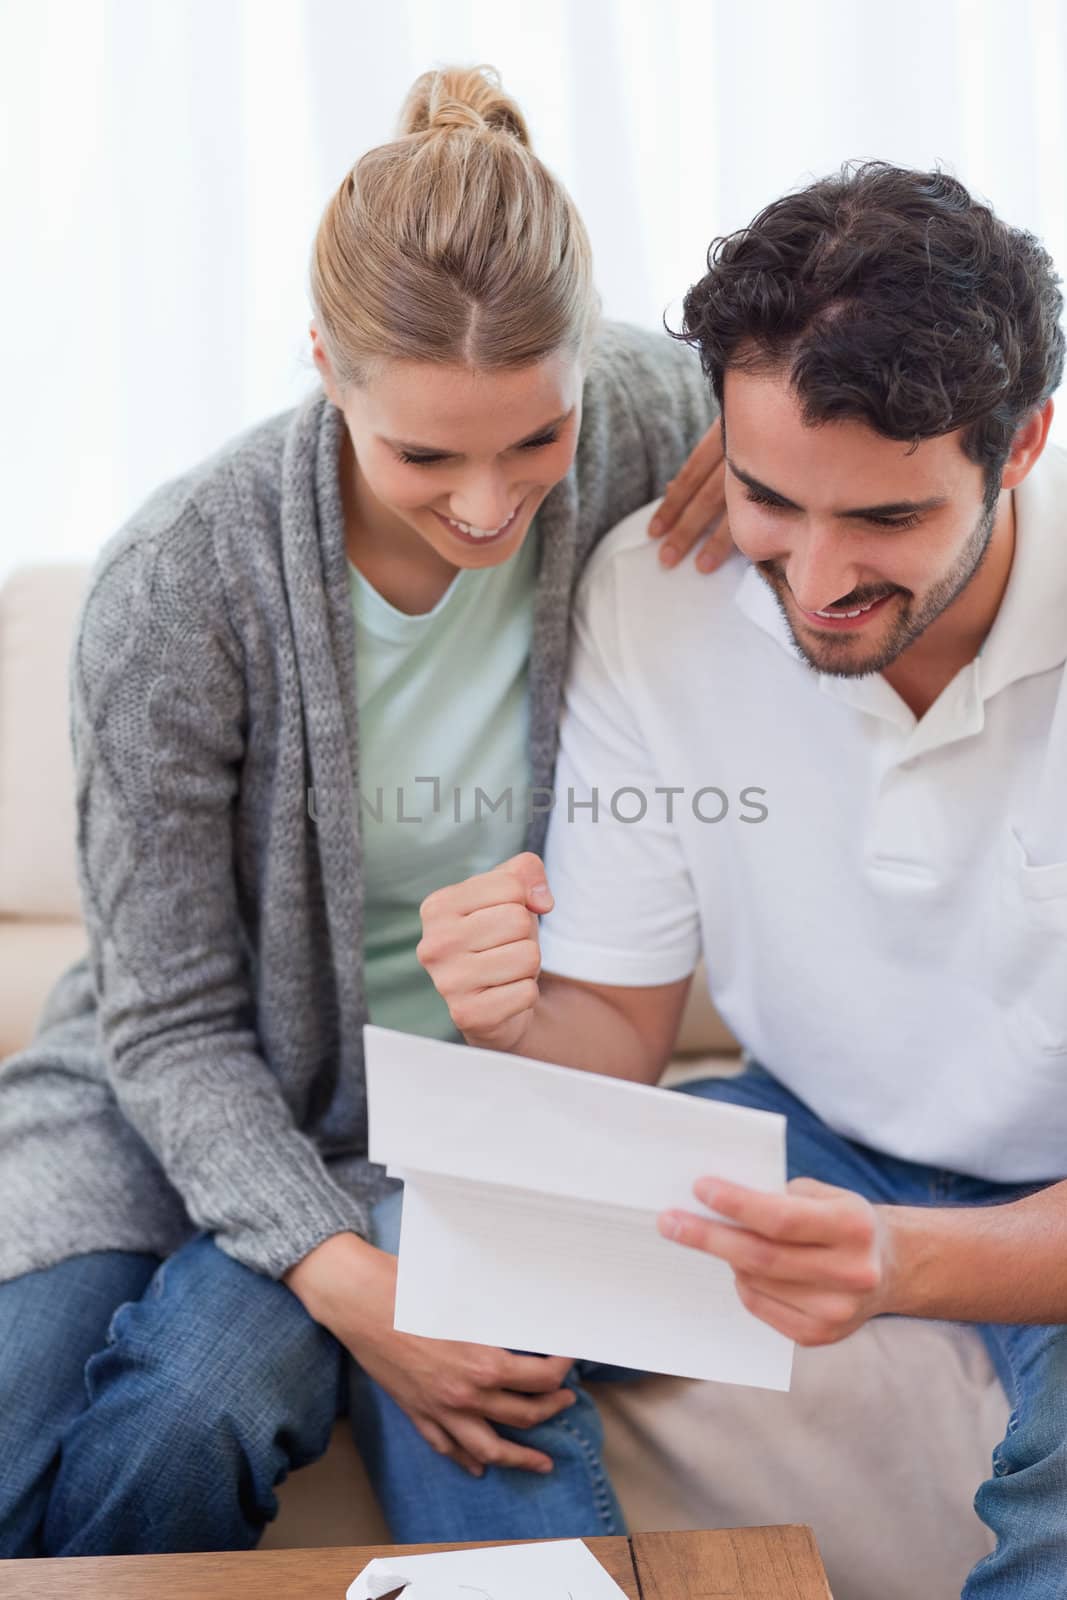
1029,632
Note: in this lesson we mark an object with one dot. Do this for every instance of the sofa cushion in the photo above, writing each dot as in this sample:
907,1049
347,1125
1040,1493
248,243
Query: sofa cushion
702,1030
879,1446
32,955
38,608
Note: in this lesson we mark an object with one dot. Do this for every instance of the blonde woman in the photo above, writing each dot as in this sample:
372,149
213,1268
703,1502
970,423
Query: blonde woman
296,669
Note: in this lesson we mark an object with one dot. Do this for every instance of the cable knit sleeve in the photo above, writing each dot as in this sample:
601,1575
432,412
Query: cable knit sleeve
158,730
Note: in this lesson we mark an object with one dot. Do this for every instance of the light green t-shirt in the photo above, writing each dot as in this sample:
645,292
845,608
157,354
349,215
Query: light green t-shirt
442,699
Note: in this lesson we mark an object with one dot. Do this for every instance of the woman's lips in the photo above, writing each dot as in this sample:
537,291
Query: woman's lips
486,539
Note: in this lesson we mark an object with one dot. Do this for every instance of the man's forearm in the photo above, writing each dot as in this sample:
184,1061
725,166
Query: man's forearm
1005,1263
574,1027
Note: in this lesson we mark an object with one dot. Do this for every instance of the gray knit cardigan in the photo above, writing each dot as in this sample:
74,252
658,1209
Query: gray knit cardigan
201,1068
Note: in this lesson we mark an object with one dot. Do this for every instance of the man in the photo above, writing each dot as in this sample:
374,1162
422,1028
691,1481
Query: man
839,771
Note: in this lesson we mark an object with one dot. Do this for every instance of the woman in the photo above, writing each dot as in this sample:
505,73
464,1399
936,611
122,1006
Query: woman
355,609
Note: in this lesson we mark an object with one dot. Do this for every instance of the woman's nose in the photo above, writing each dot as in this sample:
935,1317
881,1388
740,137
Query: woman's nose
484,506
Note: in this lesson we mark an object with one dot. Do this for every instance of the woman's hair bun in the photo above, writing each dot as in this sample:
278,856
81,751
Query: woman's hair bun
462,97
452,243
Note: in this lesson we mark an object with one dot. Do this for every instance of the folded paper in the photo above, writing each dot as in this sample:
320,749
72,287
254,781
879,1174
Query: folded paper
530,1203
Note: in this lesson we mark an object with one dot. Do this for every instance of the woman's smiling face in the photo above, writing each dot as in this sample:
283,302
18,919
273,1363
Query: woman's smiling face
462,458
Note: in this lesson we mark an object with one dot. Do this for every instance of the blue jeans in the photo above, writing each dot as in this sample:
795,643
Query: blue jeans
152,1407
149,1406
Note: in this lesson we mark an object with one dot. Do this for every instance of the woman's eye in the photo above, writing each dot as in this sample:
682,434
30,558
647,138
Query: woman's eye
762,500
430,461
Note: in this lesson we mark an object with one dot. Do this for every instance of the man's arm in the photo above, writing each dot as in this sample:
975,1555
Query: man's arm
817,1262
481,947
1004,1263
625,1033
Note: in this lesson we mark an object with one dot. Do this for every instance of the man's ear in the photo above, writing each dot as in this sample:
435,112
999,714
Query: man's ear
1027,446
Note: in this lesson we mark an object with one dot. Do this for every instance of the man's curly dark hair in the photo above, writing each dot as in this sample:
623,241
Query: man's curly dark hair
890,296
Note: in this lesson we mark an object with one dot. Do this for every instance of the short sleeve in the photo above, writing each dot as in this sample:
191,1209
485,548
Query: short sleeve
625,908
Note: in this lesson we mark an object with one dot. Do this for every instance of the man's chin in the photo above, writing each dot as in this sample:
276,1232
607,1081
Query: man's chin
847,656
836,665
855,653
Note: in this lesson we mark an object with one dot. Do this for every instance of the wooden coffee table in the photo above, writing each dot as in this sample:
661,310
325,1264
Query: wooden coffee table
730,1563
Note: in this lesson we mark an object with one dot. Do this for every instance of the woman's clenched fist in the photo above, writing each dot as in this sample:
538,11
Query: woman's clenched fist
481,947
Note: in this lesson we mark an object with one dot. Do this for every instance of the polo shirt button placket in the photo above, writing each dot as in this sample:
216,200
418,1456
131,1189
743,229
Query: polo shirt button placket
898,842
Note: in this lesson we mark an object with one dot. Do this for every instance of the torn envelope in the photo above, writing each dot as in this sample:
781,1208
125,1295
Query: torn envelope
530,1204
564,1569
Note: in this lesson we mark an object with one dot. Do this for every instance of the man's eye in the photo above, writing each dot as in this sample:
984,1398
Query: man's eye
875,522
894,522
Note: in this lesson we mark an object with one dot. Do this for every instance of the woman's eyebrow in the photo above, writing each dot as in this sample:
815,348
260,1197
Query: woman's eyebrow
436,450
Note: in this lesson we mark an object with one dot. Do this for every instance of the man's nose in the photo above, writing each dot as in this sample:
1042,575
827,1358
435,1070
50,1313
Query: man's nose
820,571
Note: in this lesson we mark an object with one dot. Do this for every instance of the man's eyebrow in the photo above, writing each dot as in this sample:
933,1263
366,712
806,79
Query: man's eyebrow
892,508
435,450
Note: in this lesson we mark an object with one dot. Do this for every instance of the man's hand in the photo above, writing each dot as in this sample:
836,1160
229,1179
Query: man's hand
481,946
814,1262
694,508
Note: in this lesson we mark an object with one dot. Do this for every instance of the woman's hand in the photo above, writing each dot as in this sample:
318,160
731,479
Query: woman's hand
815,1262
453,1393
694,508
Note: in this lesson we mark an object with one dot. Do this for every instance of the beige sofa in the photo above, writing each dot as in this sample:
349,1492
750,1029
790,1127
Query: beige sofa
882,1440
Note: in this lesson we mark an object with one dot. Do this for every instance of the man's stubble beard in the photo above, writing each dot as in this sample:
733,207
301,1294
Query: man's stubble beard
833,655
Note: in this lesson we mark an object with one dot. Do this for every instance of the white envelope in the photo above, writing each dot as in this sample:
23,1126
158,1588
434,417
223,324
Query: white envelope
530,1204
562,1570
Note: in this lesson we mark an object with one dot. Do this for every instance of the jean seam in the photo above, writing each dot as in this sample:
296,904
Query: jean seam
999,1465
597,1477
159,1277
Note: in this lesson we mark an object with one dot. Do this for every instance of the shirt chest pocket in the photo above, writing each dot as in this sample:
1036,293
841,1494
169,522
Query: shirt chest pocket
1027,939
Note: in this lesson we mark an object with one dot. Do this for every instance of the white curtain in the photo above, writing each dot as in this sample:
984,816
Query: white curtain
164,162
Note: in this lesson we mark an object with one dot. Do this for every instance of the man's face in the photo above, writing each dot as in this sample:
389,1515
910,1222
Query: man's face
863,544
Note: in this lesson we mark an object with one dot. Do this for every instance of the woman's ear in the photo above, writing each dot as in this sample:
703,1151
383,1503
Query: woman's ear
322,361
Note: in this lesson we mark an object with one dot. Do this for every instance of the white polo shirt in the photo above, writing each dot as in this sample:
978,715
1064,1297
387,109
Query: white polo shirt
890,938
